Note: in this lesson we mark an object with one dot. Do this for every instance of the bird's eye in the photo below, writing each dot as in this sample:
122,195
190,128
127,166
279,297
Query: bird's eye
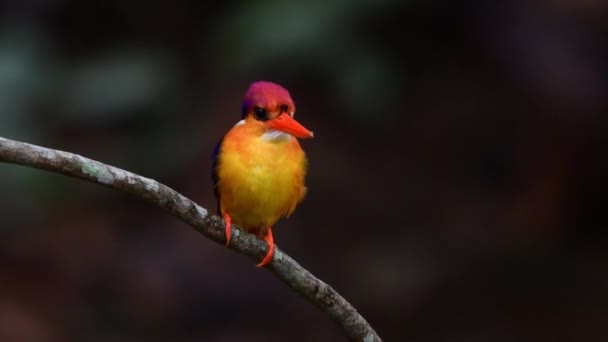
260,114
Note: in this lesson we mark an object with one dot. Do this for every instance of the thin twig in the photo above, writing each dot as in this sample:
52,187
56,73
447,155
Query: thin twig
212,226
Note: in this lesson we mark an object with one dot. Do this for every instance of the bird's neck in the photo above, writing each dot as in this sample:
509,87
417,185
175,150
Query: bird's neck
274,136
254,129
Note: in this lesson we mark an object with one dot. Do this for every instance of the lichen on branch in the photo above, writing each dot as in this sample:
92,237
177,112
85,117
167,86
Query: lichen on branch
284,267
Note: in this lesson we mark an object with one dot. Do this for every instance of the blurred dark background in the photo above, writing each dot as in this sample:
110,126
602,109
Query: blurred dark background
457,179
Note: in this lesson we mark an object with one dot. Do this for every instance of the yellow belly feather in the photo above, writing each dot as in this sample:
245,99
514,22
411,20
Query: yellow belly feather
259,181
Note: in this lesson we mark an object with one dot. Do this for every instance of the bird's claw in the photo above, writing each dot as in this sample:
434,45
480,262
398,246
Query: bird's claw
228,227
270,241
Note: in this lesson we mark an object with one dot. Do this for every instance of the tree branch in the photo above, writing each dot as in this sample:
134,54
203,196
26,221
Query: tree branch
212,226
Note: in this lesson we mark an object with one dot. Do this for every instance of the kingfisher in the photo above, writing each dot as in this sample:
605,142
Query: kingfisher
259,166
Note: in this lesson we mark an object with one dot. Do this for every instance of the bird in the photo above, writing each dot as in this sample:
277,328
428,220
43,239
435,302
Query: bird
259,167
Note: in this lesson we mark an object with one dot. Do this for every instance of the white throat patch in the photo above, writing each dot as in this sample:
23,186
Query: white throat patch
276,136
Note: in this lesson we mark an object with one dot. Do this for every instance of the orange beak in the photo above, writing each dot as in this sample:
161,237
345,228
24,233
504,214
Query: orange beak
285,123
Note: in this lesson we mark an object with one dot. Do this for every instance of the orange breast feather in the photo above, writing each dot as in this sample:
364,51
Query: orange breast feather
259,180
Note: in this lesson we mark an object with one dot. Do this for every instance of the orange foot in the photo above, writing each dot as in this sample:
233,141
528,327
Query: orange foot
270,241
228,227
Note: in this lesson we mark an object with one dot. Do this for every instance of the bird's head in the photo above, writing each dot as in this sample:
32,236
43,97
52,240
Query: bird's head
270,106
